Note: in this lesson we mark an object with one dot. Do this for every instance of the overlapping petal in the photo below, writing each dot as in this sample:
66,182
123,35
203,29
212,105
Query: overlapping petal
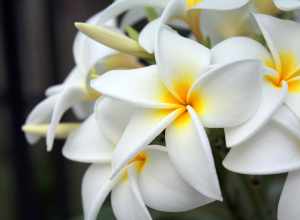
126,199
39,115
179,72
112,117
272,99
120,6
88,144
96,186
228,95
143,127
71,95
273,149
282,37
140,86
167,192
190,152
239,48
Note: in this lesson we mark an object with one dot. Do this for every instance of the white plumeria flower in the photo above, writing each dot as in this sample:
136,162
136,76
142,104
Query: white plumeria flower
180,95
220,25
273,149
281,80
148,179
183,9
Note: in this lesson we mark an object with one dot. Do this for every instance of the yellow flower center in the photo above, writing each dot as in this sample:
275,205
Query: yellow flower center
287,71
139,161
192,3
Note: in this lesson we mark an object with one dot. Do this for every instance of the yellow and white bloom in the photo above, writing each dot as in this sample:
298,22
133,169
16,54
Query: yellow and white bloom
74,92
281,80
182,94
186,10
148,179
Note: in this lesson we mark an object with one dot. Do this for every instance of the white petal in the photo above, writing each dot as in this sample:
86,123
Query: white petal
126,200
281,36
96,186
293,101
228,95
83,109
112,117
288,207
287,5
132,17
69,97
274,149
272,99
143,127
163,188
220,25
179,72
53,90
88,144
288,119
41,114
239,48
140,86
147,35
121,6
175,8
190,152
221,5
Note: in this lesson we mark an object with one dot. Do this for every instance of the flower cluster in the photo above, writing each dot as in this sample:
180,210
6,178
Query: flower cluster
237,68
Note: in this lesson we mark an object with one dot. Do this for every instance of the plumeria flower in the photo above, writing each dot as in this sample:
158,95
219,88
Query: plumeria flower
148,179
90,58
220,25
273,149
281,80
182,94
183,9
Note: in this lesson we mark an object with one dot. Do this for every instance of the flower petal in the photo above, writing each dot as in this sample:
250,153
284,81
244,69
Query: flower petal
179,72
143,127
228,95
126,200
167,192
293,98
282,36
287,5
272,99
190,152
288,207
83,109
147,35
274,149
39,115
219,25
120,6
96,185
110,119
140,86
239,48
88,144
69,97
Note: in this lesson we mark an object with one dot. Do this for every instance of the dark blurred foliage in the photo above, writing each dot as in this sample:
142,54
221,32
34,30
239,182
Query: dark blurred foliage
36,38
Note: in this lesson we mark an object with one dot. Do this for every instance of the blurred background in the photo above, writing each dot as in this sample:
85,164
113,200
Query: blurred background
36,38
